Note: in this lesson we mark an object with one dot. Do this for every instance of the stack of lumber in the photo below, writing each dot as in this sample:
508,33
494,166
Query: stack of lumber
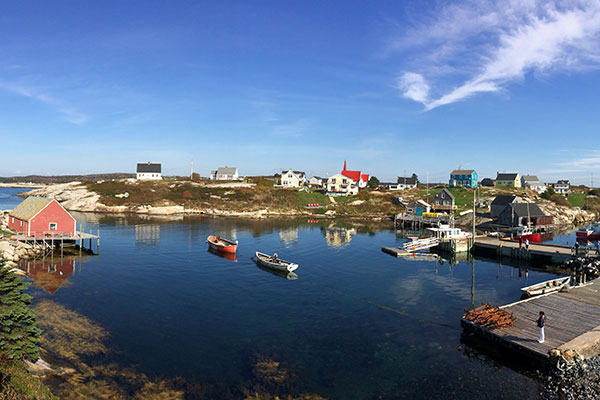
489,316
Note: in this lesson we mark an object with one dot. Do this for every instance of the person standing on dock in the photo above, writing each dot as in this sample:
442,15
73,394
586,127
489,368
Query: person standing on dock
520,242
526,244
541,323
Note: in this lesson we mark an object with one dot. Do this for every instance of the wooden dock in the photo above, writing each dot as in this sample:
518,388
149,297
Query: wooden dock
553,253
54,240
572,323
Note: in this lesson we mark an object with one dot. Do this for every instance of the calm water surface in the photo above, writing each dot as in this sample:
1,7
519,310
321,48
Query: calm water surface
356,324
8,197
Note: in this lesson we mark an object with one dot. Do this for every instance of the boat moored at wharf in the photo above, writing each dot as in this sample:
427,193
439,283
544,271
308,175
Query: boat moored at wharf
589,233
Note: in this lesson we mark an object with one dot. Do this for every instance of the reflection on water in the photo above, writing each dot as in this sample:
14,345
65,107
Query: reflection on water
227,256
147,234
290,275
357,323
49,274
289,235
338,236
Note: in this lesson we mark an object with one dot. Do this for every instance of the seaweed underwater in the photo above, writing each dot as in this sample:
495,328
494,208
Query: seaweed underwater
79,341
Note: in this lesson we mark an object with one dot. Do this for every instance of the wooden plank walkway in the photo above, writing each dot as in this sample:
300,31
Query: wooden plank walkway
569,315
510,248
58,237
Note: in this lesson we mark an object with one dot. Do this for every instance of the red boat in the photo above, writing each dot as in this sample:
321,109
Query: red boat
589,233
526,233
221,244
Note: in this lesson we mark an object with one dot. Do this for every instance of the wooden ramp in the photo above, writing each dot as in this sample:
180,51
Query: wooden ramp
572,323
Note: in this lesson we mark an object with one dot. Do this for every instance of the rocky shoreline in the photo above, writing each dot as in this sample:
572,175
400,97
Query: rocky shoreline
75,196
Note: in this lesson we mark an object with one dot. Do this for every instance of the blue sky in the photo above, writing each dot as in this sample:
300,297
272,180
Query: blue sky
426,87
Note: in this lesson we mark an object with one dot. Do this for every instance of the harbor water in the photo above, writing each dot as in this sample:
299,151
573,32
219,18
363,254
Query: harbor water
355,324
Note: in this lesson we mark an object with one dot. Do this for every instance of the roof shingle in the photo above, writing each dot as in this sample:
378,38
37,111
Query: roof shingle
30,207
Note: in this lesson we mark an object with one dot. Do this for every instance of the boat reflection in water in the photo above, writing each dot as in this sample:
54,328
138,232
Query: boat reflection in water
290,276
228,256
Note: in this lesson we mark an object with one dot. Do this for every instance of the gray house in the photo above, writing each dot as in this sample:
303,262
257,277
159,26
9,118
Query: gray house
500,203
532,182
444,201
515,214
488,182
225,174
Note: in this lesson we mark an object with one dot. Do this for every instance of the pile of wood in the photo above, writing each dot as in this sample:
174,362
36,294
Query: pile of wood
489,316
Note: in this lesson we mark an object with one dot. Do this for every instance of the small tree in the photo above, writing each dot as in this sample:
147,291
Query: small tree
548,193
19,335
415,177
373,182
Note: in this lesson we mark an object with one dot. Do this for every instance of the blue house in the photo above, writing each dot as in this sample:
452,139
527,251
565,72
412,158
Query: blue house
463,178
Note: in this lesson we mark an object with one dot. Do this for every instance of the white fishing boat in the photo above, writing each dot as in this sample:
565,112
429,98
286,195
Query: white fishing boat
275,262
550,286
443,232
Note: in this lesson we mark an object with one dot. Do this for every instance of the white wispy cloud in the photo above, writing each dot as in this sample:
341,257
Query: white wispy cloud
486,46
69,113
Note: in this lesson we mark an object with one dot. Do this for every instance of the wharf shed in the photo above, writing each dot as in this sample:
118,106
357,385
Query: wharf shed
418,207
500,202
41,216
516,214
444,201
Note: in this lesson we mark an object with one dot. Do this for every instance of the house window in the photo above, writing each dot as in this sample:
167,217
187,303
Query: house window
52,268
13,219
20,223
52,226
333,180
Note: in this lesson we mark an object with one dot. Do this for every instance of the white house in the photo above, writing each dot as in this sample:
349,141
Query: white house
562,187
149,171
532,182
406,183
317,181
225,174
293,178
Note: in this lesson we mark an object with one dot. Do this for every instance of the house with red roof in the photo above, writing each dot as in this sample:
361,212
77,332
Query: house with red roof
358,178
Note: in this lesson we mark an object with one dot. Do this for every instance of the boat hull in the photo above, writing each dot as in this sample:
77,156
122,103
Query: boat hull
222,245
583,236
533,237
546,287
282,265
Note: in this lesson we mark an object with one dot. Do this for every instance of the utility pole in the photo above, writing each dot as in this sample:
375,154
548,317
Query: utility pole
474,189
427,185
192,171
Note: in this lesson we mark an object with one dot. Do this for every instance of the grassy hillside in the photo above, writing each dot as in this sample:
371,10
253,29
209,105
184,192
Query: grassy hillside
262,196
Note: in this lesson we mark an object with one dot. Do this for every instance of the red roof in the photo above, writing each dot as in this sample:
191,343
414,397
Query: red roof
354,175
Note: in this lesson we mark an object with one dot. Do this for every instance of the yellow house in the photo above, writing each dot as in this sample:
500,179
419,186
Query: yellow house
510,179
341,184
